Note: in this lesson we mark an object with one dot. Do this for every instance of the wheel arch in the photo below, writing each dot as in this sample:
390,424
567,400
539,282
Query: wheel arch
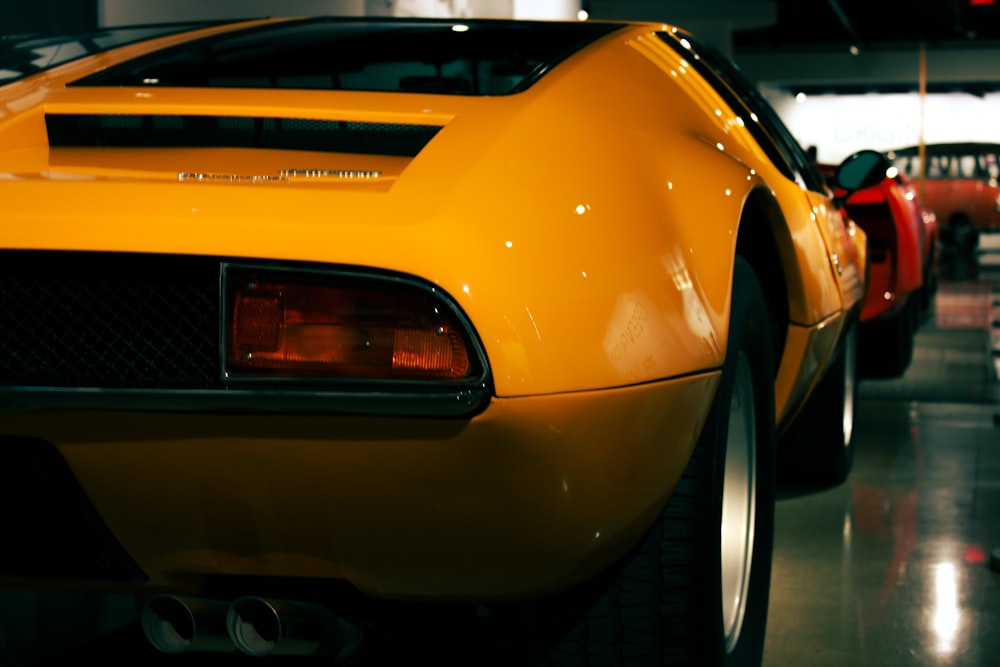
959,217
761,237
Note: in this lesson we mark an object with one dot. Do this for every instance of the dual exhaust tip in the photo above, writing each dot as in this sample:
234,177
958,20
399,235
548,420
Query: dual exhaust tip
253,625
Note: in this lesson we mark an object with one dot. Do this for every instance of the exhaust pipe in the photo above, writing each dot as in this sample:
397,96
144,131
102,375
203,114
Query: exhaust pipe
281,627
174,625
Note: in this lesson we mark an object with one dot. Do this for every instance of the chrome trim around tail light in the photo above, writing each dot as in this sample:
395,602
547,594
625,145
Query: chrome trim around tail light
378,293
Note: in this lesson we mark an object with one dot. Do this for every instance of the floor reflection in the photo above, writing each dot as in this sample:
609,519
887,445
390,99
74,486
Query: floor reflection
892,568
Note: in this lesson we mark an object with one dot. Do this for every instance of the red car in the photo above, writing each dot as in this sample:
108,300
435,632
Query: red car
902,251
961,183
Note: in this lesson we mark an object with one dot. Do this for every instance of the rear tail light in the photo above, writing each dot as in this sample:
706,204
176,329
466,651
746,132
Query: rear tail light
330,326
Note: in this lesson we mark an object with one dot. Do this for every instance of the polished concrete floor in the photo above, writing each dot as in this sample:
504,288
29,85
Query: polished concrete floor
892,568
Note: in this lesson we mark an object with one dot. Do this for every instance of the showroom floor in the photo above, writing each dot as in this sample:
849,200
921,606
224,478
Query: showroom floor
890,569
893,567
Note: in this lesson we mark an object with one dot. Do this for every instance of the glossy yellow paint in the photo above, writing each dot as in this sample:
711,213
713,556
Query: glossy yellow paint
533,495
595,266
645,222
824,256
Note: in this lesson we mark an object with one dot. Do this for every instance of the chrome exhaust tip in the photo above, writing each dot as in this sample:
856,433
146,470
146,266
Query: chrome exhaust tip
260,627
175,625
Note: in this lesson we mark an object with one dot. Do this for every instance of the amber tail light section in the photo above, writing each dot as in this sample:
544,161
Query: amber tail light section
342,326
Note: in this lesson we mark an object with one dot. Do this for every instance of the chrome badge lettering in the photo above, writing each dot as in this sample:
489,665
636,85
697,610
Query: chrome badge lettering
226,178
344,174
283,176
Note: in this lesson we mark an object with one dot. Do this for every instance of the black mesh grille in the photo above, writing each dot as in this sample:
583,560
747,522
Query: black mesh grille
302,134
105,320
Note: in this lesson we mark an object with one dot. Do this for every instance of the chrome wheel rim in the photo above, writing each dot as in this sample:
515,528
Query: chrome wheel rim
850,378
739,498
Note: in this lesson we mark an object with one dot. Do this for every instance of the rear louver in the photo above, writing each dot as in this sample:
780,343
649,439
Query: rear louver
299,134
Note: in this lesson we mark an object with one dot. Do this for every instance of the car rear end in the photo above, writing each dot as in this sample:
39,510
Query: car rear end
253,330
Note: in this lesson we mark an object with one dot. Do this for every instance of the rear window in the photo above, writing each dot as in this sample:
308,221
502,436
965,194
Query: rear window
485,57
966,161
25,55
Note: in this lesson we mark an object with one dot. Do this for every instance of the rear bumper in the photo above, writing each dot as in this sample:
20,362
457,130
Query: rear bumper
530,496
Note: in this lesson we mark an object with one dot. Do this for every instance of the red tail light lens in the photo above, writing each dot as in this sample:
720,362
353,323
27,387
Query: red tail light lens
298,325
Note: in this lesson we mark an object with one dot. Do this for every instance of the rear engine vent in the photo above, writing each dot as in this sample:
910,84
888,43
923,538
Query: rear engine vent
299,134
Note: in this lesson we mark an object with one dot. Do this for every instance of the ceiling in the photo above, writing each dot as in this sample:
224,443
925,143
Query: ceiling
842,46
875,25
815,24
797,45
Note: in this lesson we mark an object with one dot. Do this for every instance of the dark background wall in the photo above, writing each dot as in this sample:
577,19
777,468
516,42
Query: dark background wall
20,17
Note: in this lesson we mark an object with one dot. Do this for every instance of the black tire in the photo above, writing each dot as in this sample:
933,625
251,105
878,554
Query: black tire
886,345
965,237
929,287
662,605
818,448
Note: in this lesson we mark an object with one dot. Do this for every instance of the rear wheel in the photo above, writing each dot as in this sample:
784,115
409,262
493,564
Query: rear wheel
695,590
818,447
963,237
886,345
929,287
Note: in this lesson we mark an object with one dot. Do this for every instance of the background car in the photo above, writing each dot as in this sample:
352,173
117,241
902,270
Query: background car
301,316
903,270
959,183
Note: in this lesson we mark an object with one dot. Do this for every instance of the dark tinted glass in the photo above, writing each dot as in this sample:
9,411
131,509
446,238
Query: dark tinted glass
27,55
467,58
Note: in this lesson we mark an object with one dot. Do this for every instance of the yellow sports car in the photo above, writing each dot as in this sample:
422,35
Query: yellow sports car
298,313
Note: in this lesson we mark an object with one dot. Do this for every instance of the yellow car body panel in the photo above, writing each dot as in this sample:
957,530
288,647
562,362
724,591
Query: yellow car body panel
511,256
595,266
529,491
